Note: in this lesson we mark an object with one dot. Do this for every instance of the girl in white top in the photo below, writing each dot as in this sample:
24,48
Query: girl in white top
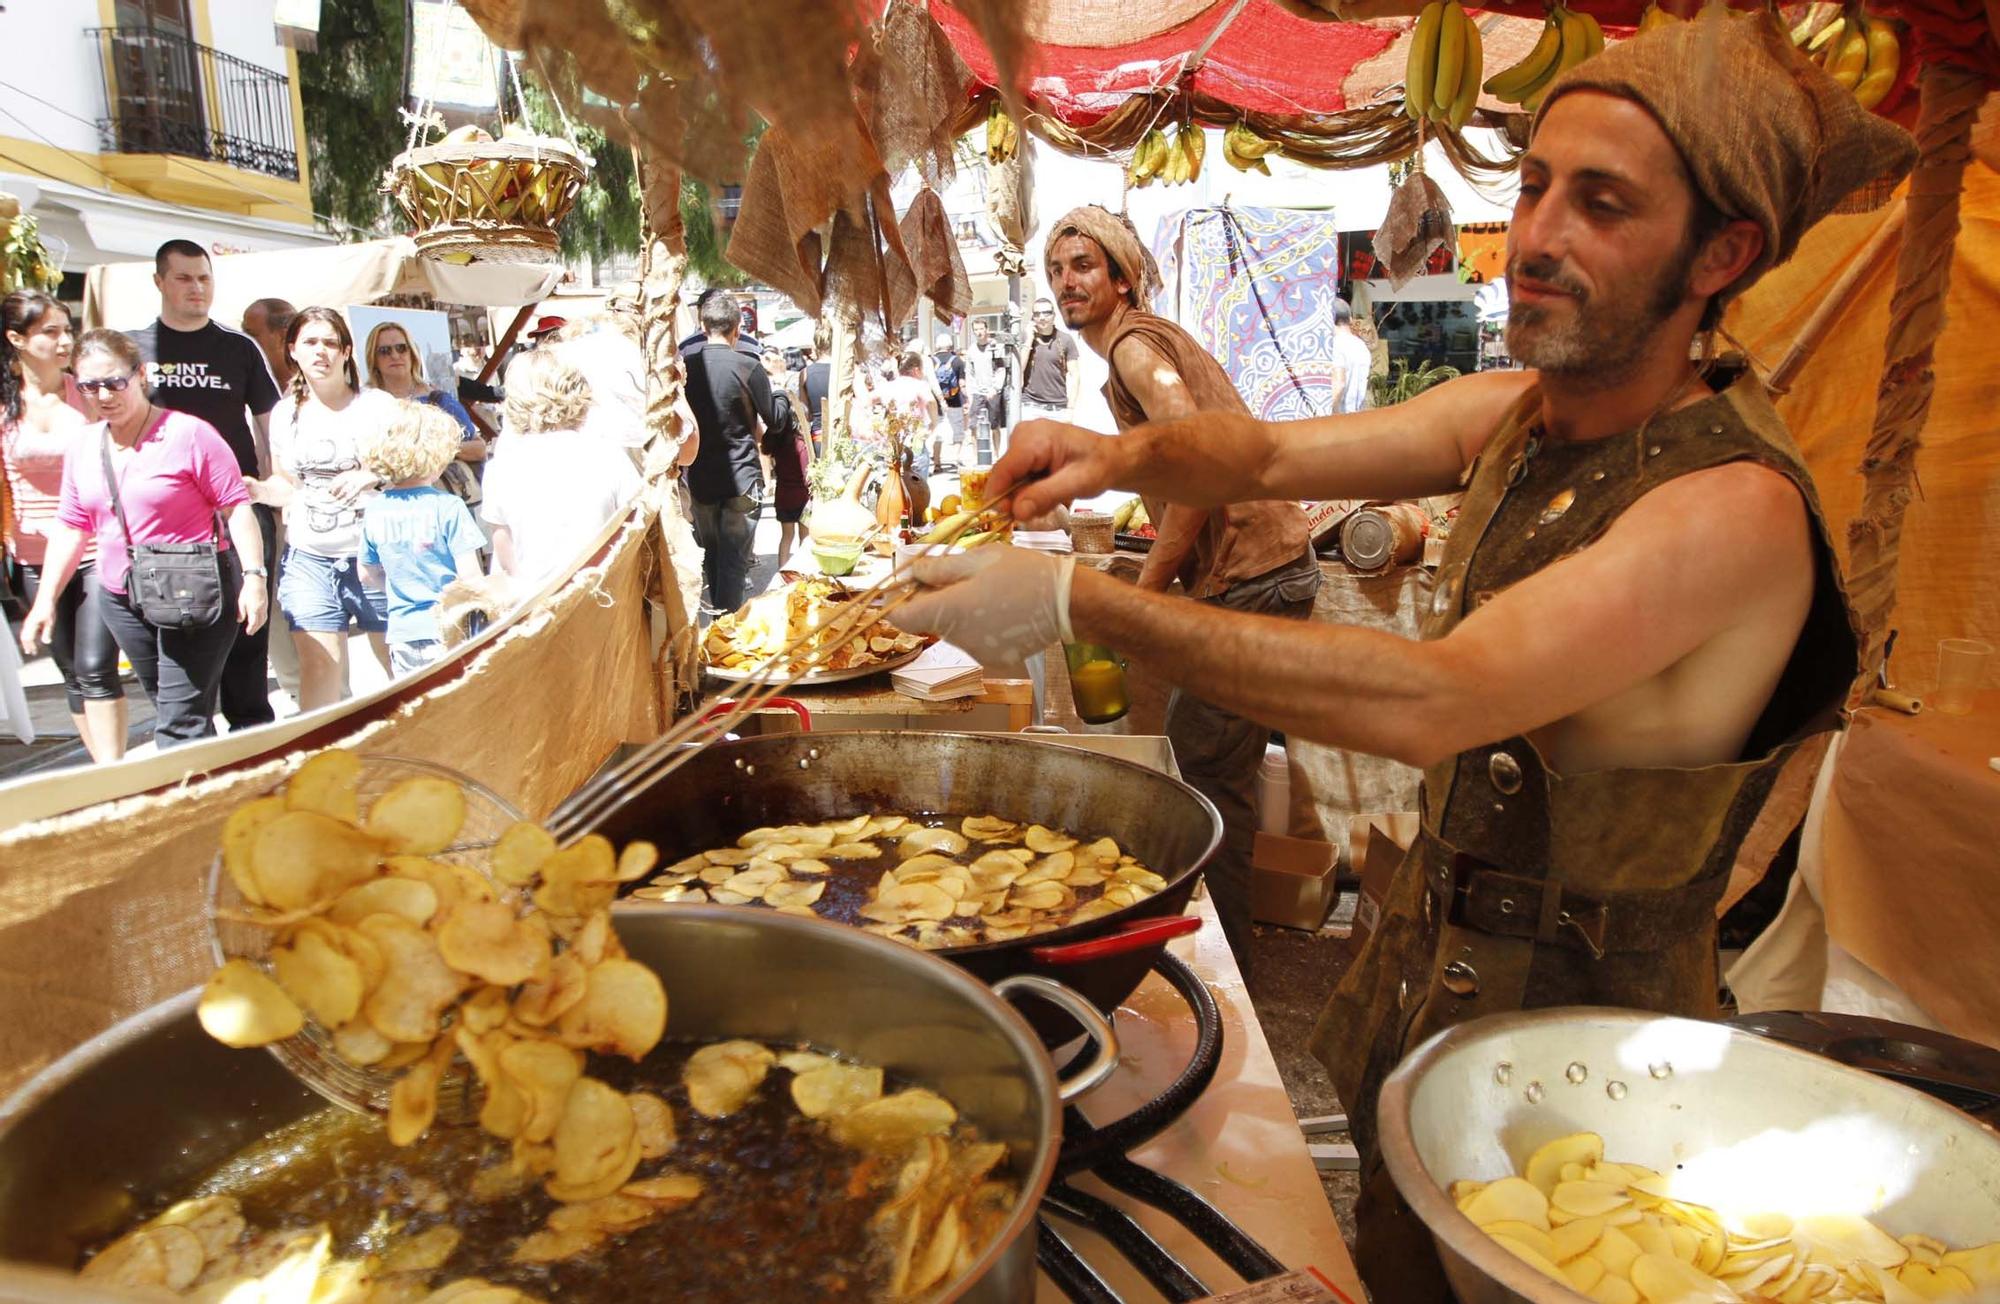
318,478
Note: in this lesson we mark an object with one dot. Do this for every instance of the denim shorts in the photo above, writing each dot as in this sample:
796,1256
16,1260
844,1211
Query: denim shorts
322,595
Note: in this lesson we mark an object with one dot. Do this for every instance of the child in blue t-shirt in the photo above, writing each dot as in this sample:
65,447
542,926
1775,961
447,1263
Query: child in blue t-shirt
415,537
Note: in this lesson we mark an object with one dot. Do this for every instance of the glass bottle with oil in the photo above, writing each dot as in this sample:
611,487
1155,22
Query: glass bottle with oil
1097,682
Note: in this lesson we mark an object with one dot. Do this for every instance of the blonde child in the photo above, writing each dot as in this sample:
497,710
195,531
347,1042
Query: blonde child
415,537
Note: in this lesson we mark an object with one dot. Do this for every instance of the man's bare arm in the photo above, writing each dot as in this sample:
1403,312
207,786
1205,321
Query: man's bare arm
1577,633
1411,450
1161,394
260,426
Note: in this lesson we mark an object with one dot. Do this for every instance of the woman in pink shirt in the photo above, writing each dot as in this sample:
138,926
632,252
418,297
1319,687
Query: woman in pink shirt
41,414
174,476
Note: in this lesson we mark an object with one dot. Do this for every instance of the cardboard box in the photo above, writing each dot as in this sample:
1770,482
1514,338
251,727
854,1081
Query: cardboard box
1375,846
1291,880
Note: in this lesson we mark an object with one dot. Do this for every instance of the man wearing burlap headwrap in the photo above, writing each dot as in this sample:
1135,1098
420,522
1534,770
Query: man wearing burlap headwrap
1638,617
1254,557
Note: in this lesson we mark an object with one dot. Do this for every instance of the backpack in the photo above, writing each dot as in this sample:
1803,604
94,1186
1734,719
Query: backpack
951,381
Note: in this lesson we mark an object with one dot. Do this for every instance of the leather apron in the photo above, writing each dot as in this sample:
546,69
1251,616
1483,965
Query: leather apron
1529,888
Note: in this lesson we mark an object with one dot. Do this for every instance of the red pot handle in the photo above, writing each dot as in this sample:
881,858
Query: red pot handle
1135,936
791,704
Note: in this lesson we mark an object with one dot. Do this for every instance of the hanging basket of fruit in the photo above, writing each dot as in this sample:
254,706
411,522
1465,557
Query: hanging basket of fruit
471,198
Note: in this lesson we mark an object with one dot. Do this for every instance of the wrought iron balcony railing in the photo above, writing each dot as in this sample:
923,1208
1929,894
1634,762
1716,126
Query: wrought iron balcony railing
166,94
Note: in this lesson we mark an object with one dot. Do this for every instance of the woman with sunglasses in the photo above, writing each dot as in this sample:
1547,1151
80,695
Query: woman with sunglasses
42,413
316,439
396,367
173,476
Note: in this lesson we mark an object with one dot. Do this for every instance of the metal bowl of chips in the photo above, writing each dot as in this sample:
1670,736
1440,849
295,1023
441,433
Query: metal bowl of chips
145,1110
311,1055
1731,1121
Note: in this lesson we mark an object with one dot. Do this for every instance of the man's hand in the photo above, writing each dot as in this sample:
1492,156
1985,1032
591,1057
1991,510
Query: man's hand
253,603
1071,462
1001,604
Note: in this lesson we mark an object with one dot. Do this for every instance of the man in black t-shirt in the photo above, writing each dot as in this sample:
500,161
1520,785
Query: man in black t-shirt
730,393
1050,369
198,366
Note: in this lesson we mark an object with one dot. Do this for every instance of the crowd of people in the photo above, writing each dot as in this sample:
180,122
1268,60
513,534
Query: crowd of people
169,493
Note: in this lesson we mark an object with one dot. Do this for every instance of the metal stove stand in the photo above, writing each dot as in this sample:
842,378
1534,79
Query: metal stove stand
1103,1151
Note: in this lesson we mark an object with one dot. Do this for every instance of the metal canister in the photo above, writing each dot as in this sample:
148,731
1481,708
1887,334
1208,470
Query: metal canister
1371,538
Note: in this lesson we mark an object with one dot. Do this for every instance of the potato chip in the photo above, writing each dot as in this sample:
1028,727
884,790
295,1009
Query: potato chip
215,1220
921,840
420,816
720,1078
552,1247
239,831
934,1260
794,894
402,1054
1511,1199
986,827
580,878
240,1006
636,861
729,856
595,1131
835,1089
413,1100
724,897
411,898
655,1122
487,940
667,1188
620,1173
427,1251
852,851
321,978
1051,868
597,941
623,1010
474,1290
548,997
135,1260
416,984
544,1074
1045,841
302,858
358,1043
903,902
326,784
894,1121
611,1214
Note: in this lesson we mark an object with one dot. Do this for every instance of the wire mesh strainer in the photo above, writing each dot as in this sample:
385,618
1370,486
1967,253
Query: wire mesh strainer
310,1055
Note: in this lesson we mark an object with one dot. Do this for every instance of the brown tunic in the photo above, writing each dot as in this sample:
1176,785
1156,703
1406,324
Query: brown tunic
1528,888
1238,542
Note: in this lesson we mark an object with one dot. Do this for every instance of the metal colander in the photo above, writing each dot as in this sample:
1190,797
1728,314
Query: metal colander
310,1055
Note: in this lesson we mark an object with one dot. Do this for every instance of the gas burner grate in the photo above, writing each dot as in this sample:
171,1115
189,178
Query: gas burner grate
1103,1152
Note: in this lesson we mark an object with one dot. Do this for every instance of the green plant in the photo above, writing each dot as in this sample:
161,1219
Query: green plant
24,263
350,89
608,217
1402,384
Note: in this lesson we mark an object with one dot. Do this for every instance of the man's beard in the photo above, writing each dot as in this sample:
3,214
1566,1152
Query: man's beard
1602,342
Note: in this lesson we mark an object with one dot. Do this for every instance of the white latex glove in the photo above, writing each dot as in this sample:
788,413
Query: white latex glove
999,603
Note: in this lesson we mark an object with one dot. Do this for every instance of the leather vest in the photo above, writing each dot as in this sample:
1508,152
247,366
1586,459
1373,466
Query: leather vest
1528,888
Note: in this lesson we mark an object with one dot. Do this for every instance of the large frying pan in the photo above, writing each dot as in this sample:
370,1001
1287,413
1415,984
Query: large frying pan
732,787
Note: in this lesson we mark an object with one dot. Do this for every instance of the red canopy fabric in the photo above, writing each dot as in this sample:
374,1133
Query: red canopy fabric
1267,61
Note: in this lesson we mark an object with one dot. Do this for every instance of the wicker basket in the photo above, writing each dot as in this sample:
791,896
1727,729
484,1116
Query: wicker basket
1091,532
489,201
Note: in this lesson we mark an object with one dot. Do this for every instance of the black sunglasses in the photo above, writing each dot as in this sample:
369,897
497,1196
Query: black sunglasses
111,384
391,350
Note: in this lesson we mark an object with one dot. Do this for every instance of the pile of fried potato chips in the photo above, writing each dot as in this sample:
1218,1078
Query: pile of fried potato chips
771,622
203,1249
945,1206
1610,1231
986,880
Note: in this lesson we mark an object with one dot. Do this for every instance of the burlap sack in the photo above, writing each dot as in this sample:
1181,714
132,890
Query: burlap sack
934,257
1417,224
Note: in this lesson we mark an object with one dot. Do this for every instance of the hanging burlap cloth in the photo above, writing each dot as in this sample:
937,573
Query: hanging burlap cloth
103,912
934,256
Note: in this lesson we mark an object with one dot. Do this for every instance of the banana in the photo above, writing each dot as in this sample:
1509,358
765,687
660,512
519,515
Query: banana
1450,59
1514,84
1194,143
1568,56
1146,159
1594,36
1245,149
1420,74
1852,60
1885,59
1656,17
1459,108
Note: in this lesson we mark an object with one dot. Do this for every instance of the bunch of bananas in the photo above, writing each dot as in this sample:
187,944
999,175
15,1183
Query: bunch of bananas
1568,38
1245,149
1441,81
1858,50
1657,17
1156,158
1003,138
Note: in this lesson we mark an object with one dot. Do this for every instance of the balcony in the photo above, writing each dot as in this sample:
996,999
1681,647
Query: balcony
165,94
